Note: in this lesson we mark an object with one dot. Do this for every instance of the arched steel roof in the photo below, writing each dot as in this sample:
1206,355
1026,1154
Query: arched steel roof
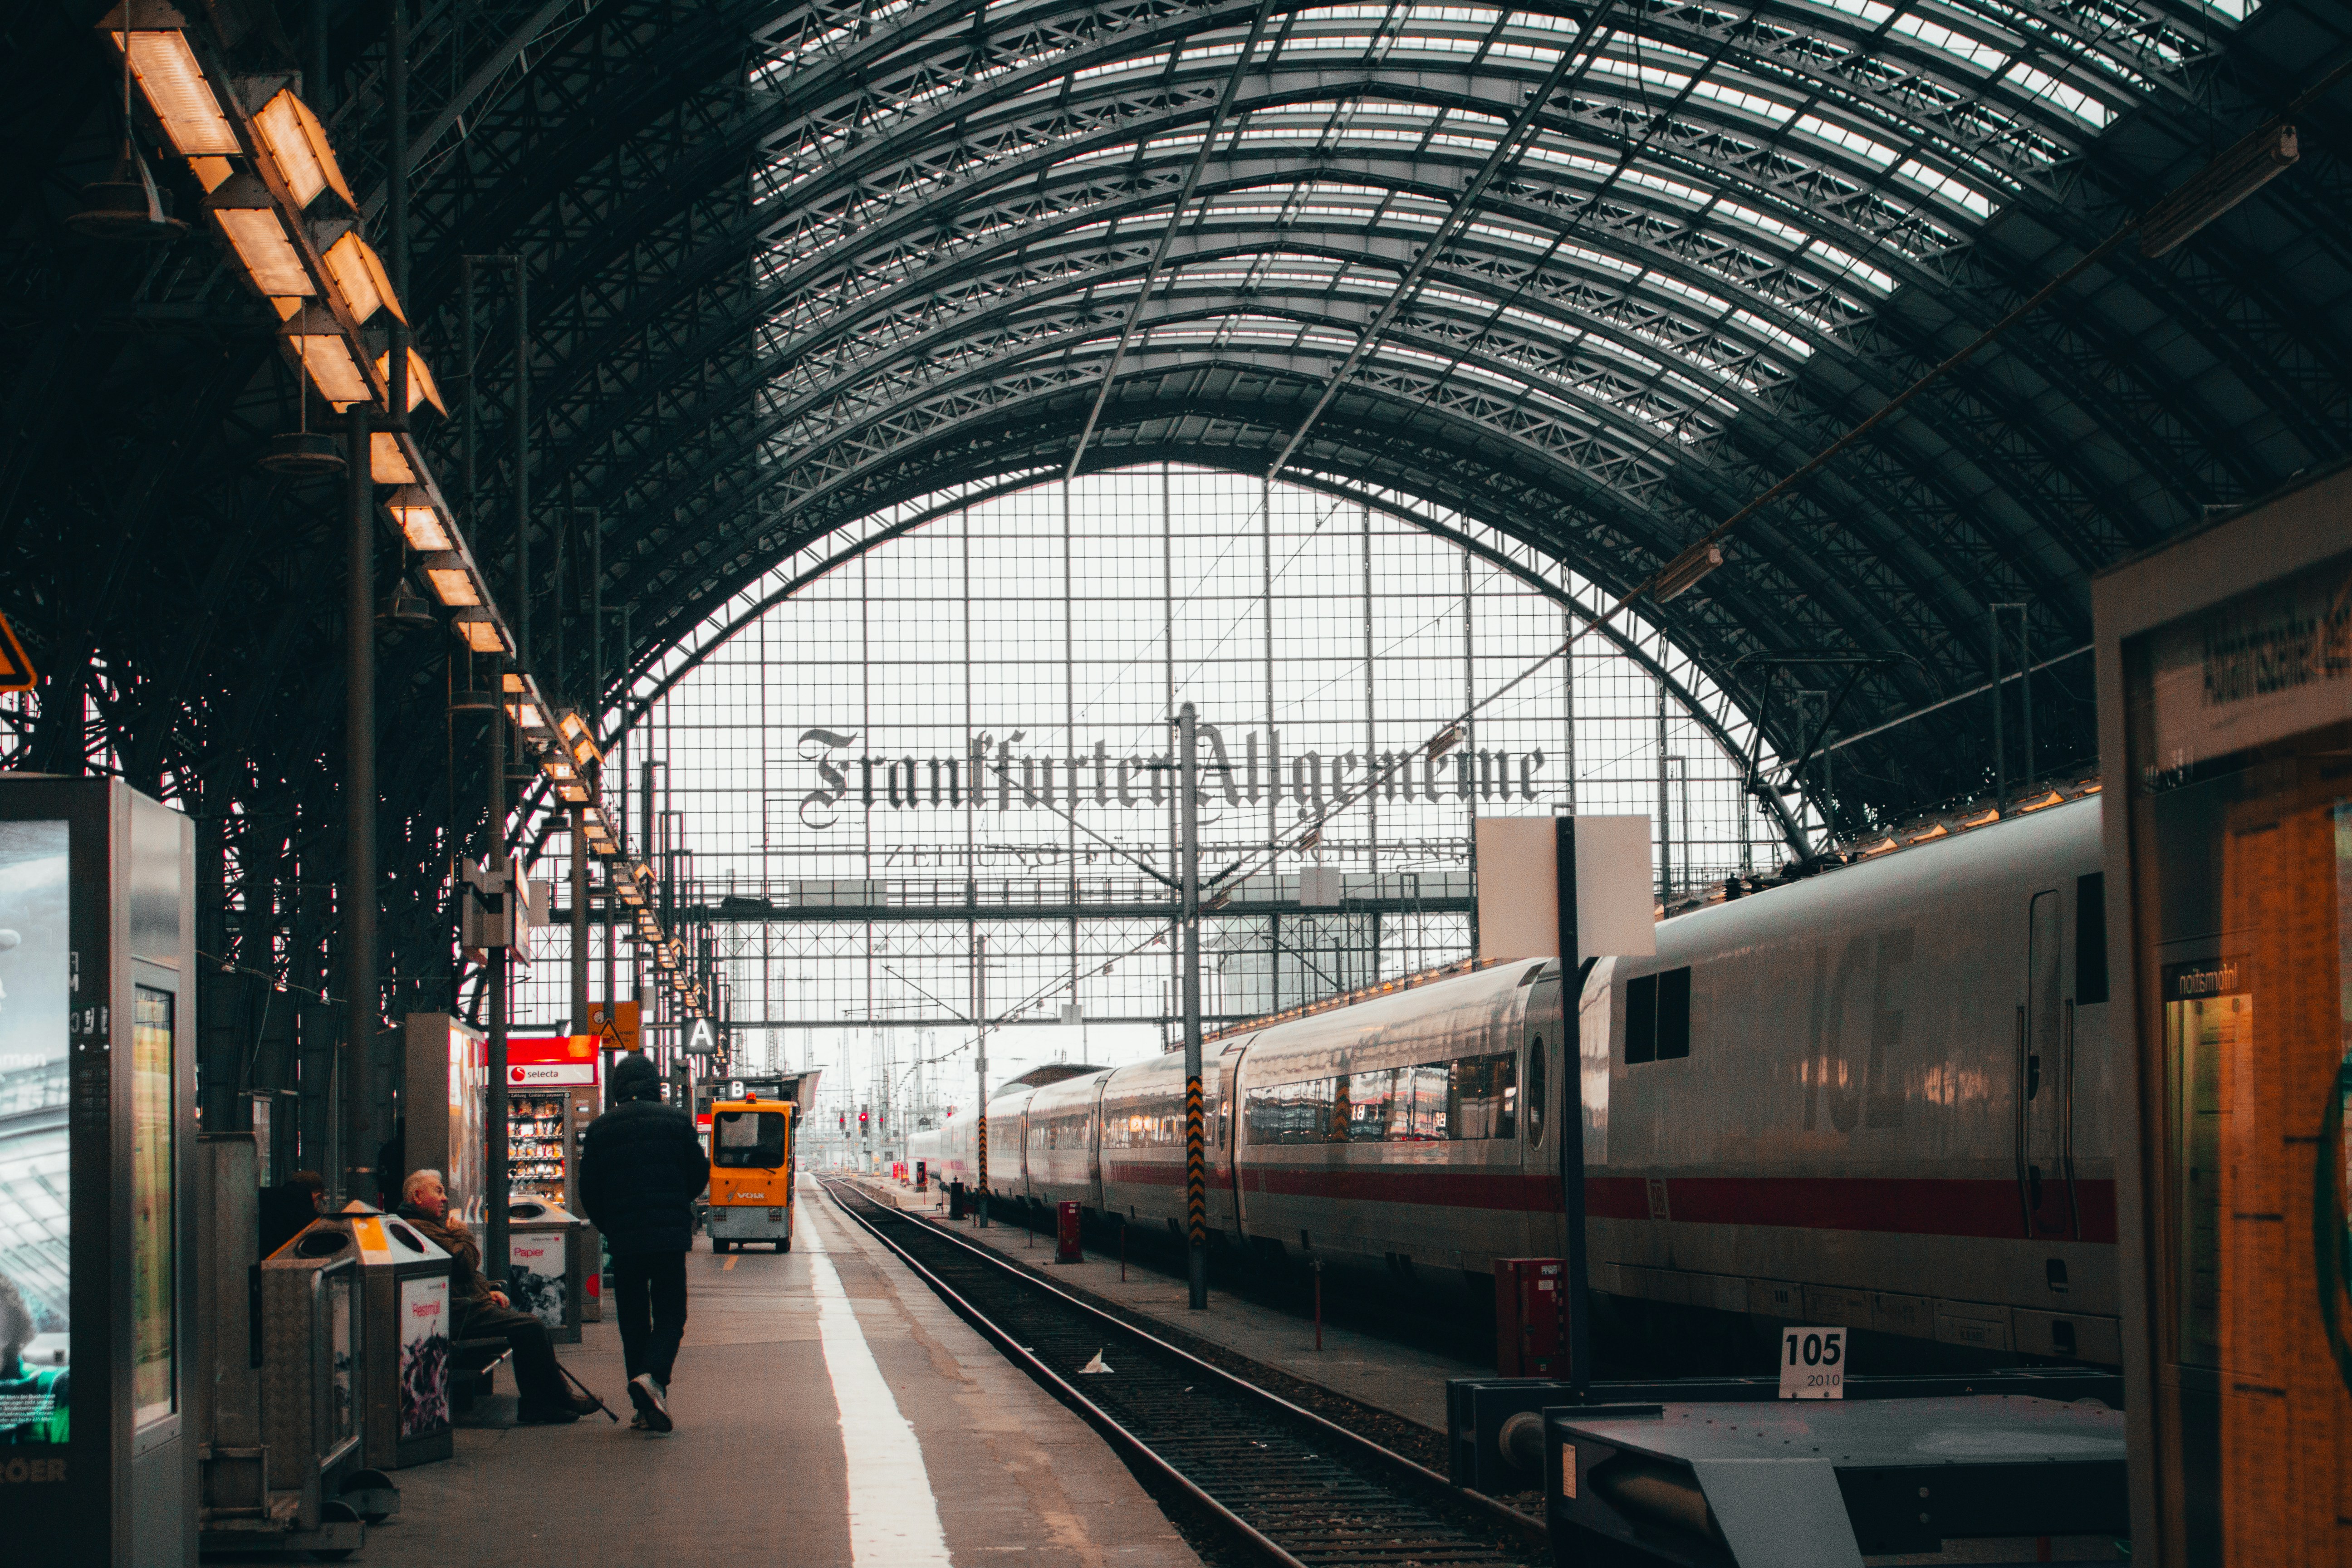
790,264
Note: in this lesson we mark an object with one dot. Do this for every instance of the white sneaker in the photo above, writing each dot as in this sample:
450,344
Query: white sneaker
651,1401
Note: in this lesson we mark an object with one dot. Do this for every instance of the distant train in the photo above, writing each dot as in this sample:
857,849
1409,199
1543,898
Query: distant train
1884,1096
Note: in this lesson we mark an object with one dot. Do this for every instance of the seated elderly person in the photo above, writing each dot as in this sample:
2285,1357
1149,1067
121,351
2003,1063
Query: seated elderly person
482,1312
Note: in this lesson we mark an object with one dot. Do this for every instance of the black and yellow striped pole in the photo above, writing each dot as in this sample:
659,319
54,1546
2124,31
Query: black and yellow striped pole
1196,1175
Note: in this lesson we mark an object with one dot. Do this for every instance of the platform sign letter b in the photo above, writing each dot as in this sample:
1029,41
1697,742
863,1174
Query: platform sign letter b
1812,1363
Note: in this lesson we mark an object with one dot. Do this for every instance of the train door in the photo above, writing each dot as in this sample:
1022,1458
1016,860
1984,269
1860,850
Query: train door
1543,1088
1094,1145
2043,1194
1229,1131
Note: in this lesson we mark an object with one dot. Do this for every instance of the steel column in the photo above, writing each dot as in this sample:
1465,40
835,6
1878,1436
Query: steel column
354,1168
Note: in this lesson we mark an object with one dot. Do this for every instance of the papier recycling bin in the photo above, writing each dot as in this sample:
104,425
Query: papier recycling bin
546,1272
402,1377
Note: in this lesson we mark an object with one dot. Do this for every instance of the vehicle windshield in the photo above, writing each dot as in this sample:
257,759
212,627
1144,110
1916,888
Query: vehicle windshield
748,1139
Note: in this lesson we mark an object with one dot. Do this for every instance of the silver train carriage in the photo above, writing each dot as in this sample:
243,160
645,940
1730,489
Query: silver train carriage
1884,1096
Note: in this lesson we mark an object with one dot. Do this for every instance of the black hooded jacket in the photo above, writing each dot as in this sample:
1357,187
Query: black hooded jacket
641,1166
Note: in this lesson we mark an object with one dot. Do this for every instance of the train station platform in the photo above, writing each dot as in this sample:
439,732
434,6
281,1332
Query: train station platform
832,1412
1406,1381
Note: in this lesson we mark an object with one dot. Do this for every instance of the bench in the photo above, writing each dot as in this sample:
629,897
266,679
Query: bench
471,1364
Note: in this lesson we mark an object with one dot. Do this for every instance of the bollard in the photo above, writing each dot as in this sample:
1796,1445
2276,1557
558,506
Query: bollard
1066,1249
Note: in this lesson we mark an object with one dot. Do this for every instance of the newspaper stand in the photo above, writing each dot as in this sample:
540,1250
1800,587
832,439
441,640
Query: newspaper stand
546,1267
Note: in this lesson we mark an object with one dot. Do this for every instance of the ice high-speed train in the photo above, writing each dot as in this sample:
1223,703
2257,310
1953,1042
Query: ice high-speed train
1884,1096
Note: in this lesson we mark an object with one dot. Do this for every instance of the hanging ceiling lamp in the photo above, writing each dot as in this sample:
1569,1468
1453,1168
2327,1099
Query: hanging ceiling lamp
302,453
405,609
126,209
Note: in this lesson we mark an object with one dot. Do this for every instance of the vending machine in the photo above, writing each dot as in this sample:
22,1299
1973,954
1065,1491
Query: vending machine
2225,713
553,1093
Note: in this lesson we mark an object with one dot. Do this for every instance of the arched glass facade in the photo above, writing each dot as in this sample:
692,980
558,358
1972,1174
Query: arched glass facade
931,777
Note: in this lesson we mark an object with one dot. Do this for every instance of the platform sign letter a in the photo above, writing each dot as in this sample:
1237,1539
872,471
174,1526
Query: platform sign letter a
701,1039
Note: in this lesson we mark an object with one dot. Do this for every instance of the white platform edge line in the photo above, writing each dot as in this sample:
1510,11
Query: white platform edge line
893,1519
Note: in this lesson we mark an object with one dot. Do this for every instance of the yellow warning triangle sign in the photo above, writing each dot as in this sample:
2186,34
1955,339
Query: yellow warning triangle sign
16,670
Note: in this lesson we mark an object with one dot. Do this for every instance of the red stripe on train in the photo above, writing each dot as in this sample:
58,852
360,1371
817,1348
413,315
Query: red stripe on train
1908,1206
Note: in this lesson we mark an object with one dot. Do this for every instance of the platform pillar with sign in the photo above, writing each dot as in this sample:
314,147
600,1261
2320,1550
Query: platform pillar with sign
97,1288
2225,714
443,1100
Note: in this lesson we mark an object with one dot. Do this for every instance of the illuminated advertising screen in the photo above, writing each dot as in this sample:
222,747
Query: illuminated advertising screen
35,1269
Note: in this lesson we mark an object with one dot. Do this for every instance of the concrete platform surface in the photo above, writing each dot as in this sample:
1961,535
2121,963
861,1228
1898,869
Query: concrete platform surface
1401,1379
831,1411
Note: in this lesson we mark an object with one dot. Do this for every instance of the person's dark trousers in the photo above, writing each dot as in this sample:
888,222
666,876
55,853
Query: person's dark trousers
650,1291
536,1378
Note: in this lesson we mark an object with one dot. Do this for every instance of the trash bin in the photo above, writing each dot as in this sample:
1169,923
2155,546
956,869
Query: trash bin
402,1377
311,1347
546,1271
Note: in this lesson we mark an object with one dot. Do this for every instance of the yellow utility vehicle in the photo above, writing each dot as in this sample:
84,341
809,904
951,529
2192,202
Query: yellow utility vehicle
751,1172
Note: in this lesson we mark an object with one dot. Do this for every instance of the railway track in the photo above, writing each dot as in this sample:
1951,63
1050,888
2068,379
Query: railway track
1273,1482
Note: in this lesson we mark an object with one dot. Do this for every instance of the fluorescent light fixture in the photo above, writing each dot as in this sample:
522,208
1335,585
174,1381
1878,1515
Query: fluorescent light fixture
247,214
555,767
167,72
359,277
479,628
420,521
1683,571
1446,741
451,582
325,355
2245,167
572,793
525,713
387,462
421,386
296,145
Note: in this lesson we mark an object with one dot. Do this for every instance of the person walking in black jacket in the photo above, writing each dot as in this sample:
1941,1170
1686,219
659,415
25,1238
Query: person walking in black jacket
641,1168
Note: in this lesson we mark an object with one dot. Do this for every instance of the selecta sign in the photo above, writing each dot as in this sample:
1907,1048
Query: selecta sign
551,1061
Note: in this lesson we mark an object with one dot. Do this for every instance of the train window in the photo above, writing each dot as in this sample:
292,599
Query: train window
2091,939
1417,1104
1674,1012
1363,1106
1477,1096
1535,1089
1657,1016
1484,1102
748,1139
1642,1019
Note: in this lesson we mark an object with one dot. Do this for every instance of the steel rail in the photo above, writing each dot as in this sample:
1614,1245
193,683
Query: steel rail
1414,1480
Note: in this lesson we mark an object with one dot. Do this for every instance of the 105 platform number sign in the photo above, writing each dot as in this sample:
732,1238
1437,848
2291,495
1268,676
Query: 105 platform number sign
1812,1363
